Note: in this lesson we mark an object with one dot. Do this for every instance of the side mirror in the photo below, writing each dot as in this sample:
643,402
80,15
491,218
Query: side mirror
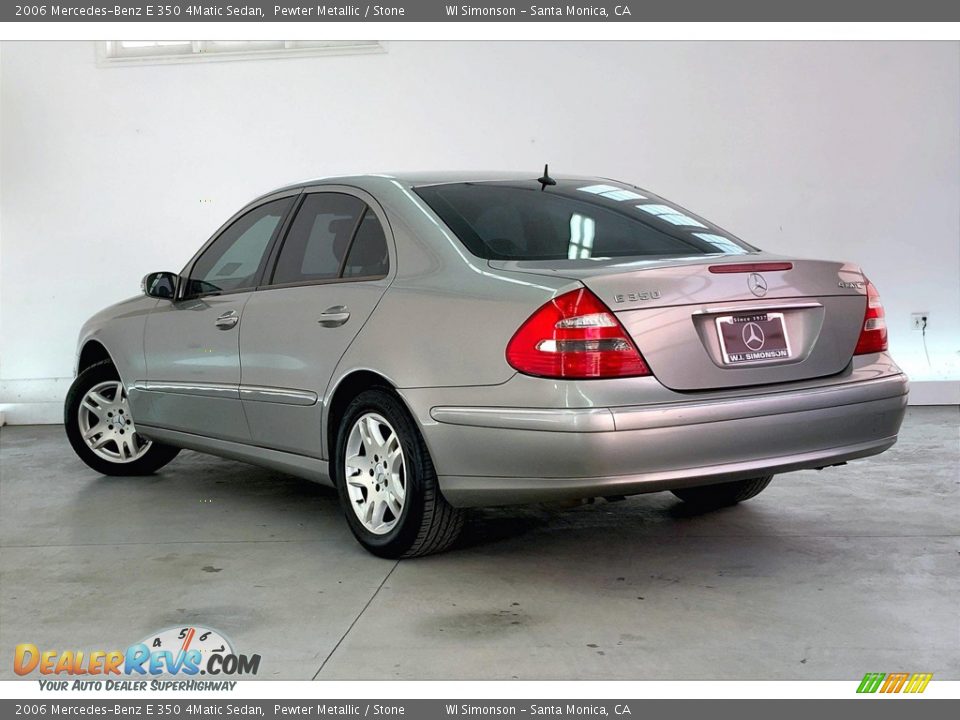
160,285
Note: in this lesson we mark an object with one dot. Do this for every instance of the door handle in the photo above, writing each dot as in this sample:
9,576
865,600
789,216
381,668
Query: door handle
228,320
334,316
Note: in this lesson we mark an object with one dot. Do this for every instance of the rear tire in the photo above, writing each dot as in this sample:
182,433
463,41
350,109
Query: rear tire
96,409
723,494
386,481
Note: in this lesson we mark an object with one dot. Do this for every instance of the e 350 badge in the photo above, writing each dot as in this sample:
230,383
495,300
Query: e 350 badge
191,650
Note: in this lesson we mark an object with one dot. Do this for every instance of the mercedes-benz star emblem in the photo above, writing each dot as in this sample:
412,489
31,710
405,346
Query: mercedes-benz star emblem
757,285
752,335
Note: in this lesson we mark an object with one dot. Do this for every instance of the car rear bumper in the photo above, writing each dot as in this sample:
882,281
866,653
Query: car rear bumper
502,455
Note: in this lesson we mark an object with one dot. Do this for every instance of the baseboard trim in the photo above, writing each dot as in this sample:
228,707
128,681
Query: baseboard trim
32,413
934,392
33,401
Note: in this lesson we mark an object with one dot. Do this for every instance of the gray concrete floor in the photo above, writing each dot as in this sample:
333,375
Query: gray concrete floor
824,576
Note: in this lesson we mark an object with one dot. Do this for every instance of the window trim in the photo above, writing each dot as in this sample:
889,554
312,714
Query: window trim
371,204
264,260
323,281
353,239
200,51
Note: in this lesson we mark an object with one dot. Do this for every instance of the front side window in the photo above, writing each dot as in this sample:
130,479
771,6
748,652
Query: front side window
571,220
232,262
332,236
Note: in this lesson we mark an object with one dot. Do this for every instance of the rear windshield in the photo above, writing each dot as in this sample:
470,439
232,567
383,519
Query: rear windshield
572,220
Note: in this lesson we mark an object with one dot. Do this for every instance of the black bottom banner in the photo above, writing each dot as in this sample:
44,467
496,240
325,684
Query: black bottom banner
874,708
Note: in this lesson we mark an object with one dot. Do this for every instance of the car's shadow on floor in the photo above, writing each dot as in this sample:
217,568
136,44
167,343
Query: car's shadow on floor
485,527
206,491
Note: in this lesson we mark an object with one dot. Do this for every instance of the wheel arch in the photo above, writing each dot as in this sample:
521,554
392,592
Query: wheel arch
92,352
347,388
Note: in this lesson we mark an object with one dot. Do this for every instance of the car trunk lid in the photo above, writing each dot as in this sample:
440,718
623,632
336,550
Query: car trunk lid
709,322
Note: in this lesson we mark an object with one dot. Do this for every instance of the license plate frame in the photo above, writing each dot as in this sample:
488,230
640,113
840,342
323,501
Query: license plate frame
765,342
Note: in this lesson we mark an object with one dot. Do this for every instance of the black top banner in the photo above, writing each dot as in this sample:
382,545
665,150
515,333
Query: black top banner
503,11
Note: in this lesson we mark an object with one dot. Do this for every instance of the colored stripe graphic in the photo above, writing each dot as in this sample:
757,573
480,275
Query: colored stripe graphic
870,682
918,682
894,682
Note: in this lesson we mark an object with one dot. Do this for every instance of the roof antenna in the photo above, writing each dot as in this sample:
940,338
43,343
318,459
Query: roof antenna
546,179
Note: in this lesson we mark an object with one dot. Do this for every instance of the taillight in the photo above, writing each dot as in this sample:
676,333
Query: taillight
873,333
575,336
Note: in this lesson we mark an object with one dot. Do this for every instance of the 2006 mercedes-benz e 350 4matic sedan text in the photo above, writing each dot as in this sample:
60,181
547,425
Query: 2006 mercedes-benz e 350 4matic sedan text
427,343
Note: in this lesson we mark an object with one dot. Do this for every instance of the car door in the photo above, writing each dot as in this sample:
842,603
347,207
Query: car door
192,343
330,272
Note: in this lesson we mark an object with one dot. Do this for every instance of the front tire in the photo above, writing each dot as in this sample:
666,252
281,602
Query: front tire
101,429
386,481
723,494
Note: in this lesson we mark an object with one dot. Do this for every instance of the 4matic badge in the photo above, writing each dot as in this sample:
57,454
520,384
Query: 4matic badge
852,284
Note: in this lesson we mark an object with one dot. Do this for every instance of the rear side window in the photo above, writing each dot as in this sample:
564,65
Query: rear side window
368,252
572,221
333,236
319,238
232,262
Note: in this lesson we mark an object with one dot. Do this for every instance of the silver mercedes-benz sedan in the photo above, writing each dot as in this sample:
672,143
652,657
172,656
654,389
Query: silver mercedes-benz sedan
427,343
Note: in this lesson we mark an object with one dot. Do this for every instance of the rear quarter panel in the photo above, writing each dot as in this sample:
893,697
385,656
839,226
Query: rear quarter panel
447,317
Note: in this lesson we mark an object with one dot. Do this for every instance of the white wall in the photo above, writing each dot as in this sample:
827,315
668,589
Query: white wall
837,150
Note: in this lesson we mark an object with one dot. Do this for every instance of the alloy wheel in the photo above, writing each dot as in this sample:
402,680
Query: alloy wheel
106,424
375,472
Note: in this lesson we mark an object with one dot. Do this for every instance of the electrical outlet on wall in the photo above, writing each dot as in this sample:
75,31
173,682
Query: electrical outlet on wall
919,319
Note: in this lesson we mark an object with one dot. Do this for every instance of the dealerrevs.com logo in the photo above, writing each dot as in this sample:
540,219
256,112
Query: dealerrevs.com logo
189,651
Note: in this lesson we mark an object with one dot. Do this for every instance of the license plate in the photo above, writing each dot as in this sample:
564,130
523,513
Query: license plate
756,337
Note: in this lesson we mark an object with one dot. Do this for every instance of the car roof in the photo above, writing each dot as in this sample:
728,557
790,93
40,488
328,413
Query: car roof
422,178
